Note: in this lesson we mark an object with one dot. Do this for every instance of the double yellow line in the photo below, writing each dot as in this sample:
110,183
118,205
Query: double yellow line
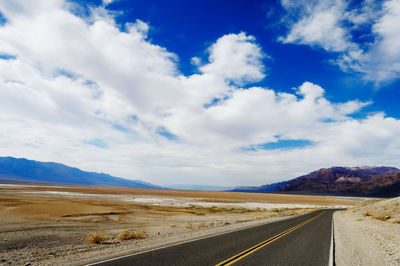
247,252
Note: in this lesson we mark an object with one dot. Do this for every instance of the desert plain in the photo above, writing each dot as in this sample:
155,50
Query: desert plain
49,224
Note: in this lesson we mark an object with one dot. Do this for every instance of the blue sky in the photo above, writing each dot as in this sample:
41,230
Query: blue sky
187,28
206,92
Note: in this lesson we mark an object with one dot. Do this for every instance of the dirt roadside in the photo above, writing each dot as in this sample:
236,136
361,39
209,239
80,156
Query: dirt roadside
368,234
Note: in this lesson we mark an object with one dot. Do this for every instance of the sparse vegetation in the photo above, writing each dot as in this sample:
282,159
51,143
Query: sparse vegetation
383,210
201,210
367,214
202,225
189,226
97,238
126,235
41,252
289,210
141,234
382,217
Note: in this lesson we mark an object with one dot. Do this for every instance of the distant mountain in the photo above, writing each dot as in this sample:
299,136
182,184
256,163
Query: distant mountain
199,187
261,189
365,181
350,181
28,171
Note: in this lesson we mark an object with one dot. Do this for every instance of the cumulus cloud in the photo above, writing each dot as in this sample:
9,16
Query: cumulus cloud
335,26
319,25
237,58
80,91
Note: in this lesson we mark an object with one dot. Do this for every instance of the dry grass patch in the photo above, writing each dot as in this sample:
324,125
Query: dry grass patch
189,226
202,225
126,235
141,234
384,210
267,215
367,214
41,252
200,210
382,217
97,238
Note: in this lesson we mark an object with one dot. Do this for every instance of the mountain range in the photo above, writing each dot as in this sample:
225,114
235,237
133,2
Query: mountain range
379,181
352,181
29,171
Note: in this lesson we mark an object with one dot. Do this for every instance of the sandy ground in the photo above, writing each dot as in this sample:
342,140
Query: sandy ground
51,224
368,234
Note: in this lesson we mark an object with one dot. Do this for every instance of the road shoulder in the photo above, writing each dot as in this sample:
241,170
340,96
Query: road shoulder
364,240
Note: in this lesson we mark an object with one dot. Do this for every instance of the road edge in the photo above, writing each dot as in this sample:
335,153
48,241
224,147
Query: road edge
331,250
194,239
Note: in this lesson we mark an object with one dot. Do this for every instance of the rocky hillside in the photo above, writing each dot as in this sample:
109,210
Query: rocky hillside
372,181
352,181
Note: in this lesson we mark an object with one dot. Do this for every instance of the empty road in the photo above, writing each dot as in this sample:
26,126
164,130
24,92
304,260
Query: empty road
303,240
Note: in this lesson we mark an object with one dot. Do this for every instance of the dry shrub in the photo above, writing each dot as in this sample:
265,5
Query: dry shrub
189,226
266,215
126,235
41,251
173,225
141,234
202,225
97,238
382,217
211,224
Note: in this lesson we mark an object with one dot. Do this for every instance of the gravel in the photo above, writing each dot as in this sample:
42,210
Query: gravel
364,239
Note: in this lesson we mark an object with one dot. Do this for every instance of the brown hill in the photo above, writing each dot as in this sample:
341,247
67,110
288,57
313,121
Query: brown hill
366,181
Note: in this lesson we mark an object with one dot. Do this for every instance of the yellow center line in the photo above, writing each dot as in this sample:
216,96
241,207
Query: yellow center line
254,248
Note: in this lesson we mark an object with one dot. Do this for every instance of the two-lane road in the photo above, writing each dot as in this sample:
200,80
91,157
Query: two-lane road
303,240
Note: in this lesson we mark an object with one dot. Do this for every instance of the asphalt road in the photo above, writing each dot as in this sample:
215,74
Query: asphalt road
303,240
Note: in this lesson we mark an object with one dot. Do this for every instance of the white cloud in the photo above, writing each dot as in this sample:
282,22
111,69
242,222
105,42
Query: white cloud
333,25
195,61
107,2
235,57
80,82
319,25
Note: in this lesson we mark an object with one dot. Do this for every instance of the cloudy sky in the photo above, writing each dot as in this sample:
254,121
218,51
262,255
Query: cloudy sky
201,92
